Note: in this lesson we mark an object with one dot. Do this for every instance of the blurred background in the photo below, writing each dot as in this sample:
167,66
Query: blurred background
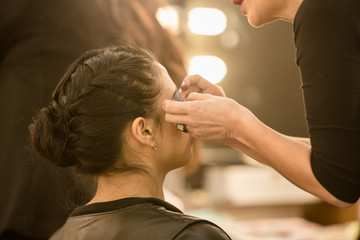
257,68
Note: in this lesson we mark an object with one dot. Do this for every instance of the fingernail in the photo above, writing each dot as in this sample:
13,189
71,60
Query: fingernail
184,81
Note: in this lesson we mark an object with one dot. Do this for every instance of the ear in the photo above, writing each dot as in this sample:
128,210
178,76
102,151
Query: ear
141,129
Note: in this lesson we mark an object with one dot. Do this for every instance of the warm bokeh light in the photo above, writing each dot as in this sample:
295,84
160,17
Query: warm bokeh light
168,17
229,39
210,67
206,21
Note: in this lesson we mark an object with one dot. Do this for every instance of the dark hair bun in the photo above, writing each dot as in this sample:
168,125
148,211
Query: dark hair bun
50,135
91,107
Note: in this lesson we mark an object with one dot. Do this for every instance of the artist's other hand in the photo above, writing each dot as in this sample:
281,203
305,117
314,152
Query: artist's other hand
196,83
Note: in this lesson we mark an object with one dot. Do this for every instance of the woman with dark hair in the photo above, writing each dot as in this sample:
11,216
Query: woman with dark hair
38,40
105,118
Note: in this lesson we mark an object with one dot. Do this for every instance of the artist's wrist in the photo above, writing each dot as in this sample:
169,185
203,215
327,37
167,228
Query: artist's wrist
236,120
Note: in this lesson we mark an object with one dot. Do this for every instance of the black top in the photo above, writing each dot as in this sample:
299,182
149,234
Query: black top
136,219
327,38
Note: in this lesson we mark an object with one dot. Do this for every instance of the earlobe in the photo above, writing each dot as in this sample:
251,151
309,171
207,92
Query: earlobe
141,129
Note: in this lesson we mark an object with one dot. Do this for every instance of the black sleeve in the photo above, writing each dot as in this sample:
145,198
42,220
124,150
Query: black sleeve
327,37
202,231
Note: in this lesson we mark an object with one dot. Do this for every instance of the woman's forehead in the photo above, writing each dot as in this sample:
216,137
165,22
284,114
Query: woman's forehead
167,81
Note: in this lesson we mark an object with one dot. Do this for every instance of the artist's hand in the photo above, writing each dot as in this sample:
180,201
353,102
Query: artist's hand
196,83
207,117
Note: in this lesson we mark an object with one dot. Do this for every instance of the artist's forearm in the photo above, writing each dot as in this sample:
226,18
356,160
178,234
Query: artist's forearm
287,155
299,139
245,149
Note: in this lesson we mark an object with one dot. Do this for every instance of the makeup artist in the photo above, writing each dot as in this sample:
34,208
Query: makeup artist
327,39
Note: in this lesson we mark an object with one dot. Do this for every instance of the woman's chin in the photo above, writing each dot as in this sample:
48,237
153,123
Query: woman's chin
255,22
258,22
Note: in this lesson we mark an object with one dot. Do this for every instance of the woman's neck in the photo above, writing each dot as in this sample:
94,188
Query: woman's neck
128,184
290,10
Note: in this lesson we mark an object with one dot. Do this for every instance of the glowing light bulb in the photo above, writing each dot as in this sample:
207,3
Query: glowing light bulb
168,18
206,21
211,68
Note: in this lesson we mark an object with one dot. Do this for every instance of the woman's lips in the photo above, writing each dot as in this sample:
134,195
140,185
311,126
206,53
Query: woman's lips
241,3
237,2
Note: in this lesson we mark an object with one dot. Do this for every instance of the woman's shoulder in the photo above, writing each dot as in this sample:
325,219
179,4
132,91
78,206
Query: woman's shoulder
138,219
331,11
190,227
326,29
202,230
